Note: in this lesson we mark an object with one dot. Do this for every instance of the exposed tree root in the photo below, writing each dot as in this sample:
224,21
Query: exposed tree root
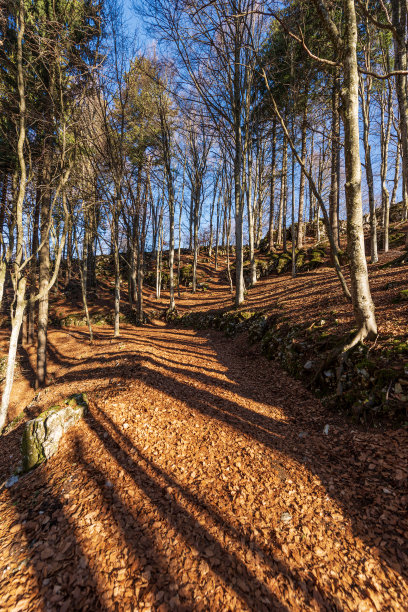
339,355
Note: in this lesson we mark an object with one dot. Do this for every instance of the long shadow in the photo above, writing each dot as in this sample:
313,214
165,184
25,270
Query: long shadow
28,372
363,494
58,357
137,536
258,426
226,564
367,502
340,462
51,550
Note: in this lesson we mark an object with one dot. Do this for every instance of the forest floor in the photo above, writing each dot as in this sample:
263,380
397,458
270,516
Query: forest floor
204,477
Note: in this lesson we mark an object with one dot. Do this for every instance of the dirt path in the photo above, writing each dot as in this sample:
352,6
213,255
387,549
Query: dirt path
201,480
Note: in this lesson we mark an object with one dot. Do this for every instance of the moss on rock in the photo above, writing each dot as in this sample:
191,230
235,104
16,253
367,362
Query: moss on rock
42,435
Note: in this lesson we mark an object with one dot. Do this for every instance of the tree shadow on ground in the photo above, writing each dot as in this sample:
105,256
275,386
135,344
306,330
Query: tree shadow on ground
59,570
364,495
336,460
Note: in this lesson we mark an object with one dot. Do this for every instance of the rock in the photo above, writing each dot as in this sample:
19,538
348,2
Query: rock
286,517
11,481
326,430
303,434
125,425
42,435
308,365
329,374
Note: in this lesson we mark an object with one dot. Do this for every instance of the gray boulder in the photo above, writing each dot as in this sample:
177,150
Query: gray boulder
42,435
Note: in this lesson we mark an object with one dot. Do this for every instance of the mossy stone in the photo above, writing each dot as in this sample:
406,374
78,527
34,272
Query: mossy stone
42,435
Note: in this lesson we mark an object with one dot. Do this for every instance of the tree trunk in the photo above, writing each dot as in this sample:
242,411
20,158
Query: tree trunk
172,304
227,220
399,20
17,319
293,215
159,256
69,255
300,230
83,271
44,276
33,270
238,195
141,251
3,211
360,288
217,232
195,236
285,190
334,198
116,326
365,103
19,280
251,223
211,238
385,139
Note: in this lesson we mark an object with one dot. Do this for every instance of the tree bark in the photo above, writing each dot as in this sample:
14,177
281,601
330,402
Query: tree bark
33,269
334,198
19,280
44,275
285,191
300,229
360,287
399,20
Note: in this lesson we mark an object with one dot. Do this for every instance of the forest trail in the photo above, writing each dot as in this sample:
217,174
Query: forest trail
202,479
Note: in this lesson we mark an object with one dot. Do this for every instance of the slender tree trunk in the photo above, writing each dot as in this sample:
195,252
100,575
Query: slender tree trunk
334,198
360,287
33,270
365,103
83,272
393,199
179,227
280,210
385,139
311,194
300,229
69,255
217,233
140,272
399,20
211,238
19,280
251,223
285,190
159,256
238,195
228,234
116,325
190,243
179,246
293,215
195,235
320,188
3,205
44,276
172,304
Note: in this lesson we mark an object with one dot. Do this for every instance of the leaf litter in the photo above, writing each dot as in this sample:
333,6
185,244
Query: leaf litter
201,480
